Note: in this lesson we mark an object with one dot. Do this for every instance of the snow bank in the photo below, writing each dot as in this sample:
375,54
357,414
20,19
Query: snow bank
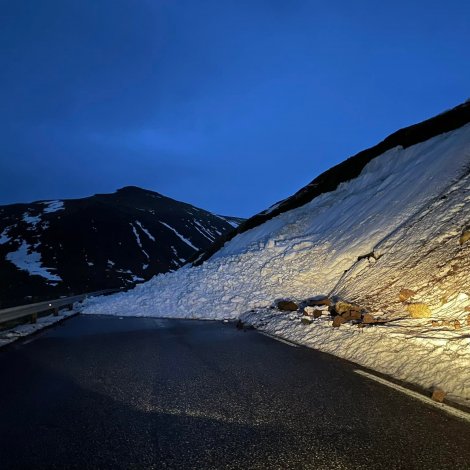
306,251
403,223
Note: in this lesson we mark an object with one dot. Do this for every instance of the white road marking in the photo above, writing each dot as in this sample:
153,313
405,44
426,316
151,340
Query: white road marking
441,406
278,339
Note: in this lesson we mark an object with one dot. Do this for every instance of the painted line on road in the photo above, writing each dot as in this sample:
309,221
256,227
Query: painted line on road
279,339
441,406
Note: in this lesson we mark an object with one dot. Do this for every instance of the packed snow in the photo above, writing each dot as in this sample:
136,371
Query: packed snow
399,224
26,259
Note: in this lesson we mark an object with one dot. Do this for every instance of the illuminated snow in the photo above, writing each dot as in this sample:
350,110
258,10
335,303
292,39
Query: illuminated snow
408,206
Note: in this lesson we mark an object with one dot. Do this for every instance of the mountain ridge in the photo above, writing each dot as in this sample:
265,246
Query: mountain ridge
107,240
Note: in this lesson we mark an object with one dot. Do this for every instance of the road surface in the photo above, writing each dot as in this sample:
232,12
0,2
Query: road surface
104,392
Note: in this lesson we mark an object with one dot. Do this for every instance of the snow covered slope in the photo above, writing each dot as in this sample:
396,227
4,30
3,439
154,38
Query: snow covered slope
309,250
50,248
403,222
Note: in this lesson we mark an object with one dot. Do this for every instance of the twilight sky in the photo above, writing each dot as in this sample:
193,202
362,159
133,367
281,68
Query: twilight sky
228,105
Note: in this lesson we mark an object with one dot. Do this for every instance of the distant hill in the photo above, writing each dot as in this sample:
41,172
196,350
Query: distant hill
50,248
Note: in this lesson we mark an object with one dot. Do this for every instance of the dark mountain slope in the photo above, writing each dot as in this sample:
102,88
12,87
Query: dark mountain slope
53,248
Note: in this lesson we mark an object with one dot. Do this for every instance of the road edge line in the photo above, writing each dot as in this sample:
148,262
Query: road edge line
281,340
440,406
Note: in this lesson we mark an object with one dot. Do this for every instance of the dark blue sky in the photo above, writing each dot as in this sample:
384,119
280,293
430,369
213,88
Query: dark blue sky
229,105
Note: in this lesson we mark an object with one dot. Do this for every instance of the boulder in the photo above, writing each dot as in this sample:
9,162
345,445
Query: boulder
468,319
343,307
353,315
418,310
457,325
438,395
434,323
287,305
338,321
309,311
406,294
367,318
318,314
306,320
465,236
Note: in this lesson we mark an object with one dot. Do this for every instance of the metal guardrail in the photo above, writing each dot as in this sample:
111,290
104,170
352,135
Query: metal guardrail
15,313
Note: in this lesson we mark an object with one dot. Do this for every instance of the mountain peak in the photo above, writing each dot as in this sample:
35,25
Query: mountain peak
135,189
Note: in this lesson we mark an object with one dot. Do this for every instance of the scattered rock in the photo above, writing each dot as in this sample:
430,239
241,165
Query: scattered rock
287,305
338,321
308,311
367,318
306,320
465,236
457,325
467,308
312,312
354,315
438,395
418,310
343,307
434,323
406,294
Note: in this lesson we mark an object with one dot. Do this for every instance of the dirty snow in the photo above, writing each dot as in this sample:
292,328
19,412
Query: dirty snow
12,334
407,209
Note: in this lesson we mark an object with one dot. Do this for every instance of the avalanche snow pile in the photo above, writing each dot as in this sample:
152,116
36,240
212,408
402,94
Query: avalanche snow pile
403,223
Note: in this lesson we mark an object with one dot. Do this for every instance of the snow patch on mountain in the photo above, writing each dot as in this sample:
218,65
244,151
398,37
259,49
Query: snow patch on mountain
181,237
149,235
32,220
26,259
53,206
4,238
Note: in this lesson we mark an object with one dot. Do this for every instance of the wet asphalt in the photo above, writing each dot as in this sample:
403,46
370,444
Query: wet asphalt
104,392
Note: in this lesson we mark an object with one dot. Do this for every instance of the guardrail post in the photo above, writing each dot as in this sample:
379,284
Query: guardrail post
34,317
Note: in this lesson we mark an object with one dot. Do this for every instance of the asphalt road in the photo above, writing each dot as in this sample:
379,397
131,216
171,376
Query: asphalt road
103,392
